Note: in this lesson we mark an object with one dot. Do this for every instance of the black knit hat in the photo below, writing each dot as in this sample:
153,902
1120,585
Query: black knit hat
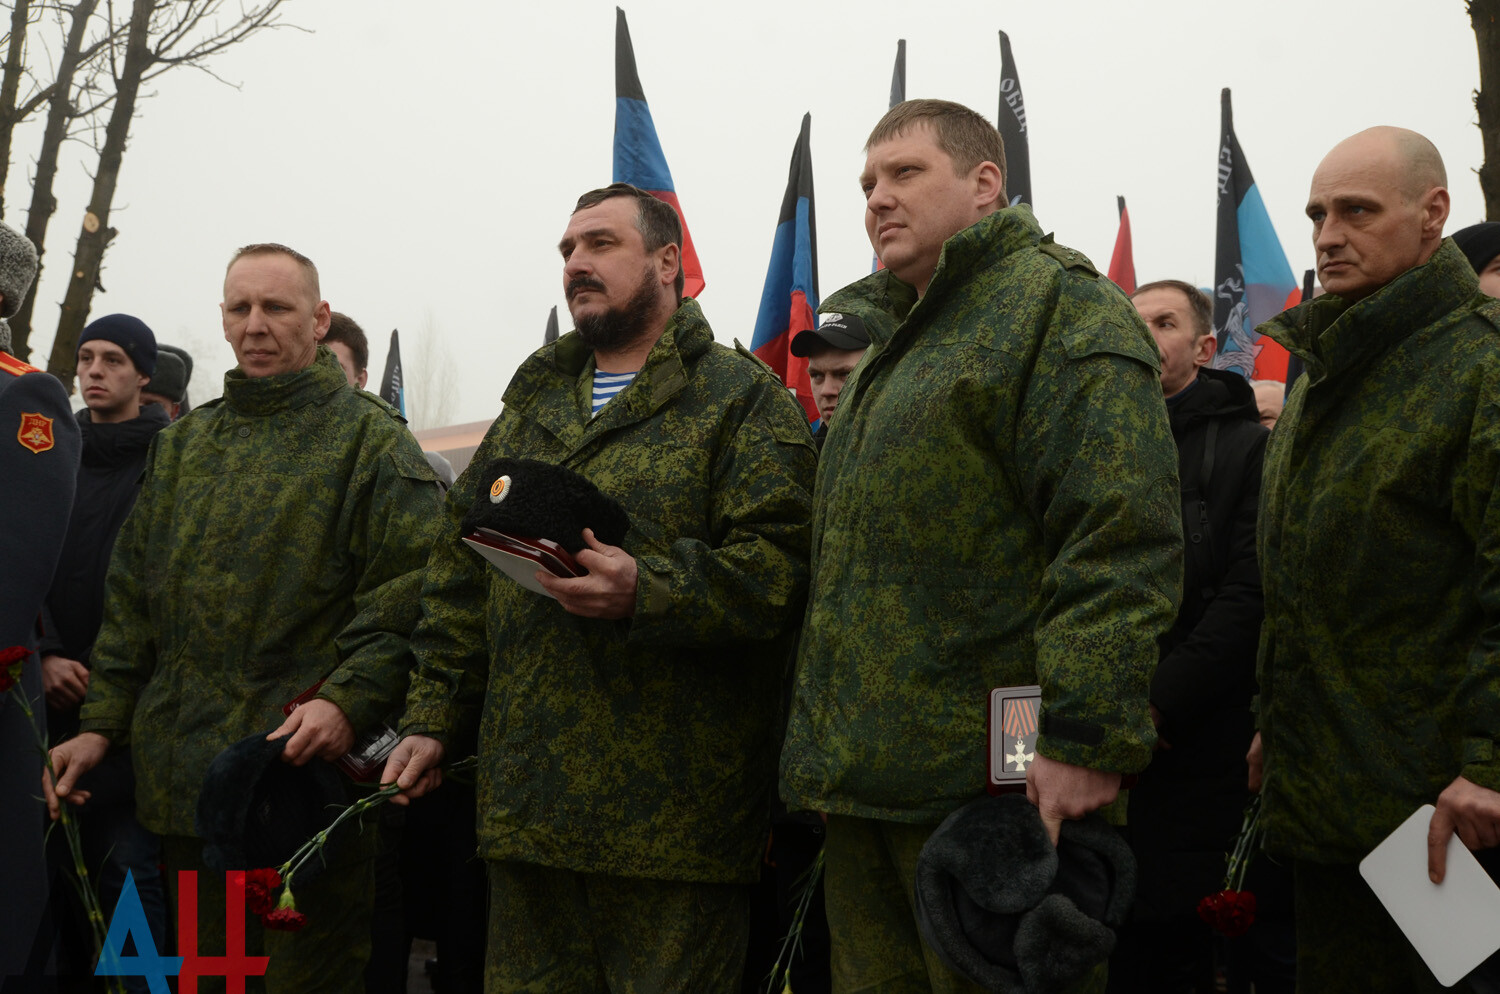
1480,242
130,334
1010,912
254,810
533,499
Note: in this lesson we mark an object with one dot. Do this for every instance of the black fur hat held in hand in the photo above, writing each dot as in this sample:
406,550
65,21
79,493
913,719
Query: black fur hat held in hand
254,810
533,499
1005,909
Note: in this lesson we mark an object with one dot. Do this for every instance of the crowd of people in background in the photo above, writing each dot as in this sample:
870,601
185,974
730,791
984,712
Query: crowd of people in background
742,690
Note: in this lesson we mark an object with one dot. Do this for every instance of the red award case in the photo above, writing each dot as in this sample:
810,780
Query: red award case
365,762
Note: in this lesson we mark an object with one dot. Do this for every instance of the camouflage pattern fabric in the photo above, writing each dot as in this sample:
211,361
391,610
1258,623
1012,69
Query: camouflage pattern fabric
1377,540
278,539
327,956
871,872
555,930
647,747
997,504
1347,943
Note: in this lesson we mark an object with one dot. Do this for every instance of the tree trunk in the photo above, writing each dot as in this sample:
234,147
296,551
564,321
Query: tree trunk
10,85
96,234
43,203
1484,15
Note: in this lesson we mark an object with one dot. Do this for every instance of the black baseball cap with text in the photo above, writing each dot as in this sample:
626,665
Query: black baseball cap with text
845,332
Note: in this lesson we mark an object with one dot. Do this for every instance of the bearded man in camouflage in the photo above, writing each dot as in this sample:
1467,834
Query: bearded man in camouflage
1379,675
996,506
628,738
278,539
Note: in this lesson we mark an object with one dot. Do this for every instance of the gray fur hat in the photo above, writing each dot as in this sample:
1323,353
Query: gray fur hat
18,261
1004,908
170,378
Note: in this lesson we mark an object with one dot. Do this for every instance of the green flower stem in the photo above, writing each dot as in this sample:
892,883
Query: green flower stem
1245,847
315,845
780,975
93,907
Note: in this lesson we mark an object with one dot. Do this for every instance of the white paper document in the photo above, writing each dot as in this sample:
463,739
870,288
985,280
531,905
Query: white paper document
1455,925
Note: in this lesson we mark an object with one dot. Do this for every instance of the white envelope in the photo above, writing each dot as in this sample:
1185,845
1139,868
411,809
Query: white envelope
1455,925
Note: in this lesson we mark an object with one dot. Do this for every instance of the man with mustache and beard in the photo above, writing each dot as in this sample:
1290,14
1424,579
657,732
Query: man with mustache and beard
628,732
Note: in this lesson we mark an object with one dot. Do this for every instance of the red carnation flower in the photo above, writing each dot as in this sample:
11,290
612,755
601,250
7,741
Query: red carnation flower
1230,912
260,890
10,665
284,920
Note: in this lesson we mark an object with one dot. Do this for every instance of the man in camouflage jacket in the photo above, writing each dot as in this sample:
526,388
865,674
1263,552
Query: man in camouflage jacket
629,729
278,540
996,506
1379,682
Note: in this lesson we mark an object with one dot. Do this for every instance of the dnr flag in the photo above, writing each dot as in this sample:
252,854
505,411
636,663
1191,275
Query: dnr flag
392,390
790,298
638,156
1122,263
1252,281
898,95
1012,124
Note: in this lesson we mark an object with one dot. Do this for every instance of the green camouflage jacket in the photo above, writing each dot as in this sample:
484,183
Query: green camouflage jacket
278,539
643,748
1380,514
996,505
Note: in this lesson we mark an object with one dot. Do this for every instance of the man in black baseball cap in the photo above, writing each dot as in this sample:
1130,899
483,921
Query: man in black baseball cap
832,351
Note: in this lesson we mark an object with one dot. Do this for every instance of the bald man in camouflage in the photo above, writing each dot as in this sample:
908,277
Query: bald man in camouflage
1380,655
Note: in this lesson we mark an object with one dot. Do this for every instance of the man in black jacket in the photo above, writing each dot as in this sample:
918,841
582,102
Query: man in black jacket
117,357
1187,807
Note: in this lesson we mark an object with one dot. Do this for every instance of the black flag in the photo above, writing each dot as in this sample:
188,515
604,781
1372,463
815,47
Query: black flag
1012,121
550,335
898,75
392,387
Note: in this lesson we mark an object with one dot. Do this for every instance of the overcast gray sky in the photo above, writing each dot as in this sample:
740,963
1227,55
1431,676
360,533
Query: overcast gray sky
426,155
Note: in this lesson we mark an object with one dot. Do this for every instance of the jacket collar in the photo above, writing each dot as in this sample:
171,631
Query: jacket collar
258,396
978,246
121,441
1331,335
560,368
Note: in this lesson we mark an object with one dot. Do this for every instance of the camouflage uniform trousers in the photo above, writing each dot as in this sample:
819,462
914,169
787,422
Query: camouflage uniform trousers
556,931
1348,942
327,956
870,873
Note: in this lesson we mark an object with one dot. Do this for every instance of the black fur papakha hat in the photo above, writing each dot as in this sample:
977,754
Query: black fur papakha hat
1010,912
254,810
533,499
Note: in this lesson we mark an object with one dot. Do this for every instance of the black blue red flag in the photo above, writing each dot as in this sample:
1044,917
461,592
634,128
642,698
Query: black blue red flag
392,386
898,74
1122,262
1252,281
1012,124
789,302
638,155
898,95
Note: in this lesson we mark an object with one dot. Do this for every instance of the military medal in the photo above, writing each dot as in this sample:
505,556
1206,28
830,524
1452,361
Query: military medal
1014,719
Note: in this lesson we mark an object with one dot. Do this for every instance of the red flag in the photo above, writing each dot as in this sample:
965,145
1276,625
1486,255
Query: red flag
1122,263
638,155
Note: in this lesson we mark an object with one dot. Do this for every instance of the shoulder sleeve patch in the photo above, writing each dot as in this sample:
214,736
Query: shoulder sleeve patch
1070,258
411,463
1131,341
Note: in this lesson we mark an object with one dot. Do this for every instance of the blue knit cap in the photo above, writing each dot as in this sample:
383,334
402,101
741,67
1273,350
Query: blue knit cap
130,334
